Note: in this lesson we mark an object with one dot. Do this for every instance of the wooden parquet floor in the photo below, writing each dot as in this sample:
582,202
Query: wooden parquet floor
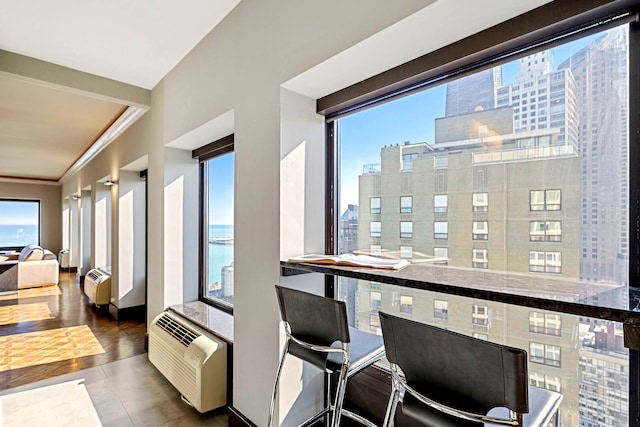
54,330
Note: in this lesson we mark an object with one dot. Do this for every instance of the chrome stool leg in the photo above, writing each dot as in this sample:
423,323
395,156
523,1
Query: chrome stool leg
285,350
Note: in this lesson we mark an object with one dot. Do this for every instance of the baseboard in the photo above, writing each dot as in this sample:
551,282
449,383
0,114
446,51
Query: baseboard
136,313
236,419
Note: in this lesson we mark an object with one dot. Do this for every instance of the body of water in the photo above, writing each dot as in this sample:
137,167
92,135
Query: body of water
18,235
220,255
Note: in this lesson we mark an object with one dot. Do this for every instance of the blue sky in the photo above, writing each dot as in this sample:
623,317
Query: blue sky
18,213
221,178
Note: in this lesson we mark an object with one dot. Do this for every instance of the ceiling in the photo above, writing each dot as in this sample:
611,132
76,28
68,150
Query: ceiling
69,69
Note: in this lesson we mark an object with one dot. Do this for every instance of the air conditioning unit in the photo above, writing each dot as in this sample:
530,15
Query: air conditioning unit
192,359
63,258
97,286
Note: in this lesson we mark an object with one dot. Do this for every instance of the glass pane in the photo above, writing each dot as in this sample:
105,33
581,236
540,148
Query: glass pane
219,247
19,223
544,138
375,205
406,204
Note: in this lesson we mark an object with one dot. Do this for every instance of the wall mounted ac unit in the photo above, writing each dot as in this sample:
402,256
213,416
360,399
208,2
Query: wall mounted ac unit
192,359
97,286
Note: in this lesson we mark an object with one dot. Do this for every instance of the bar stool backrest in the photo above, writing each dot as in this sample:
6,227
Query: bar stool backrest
313,319
457,370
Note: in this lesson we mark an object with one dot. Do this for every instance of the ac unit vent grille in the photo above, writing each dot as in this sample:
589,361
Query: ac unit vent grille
180,332
94,275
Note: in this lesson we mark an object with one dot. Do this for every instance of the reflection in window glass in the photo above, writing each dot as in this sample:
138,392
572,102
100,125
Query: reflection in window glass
440,309
552,186
406,304
406,252
219,270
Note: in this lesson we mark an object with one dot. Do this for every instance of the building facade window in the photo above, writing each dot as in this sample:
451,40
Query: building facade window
545,381
480,258
545,262
406,229
375,250
545,323
217,185
480,315
406,252
480,230
406,304
374,324
408,159
545,200
545,231
374,205
480,202
441,162
440,309
441,256
406,204
440,202
375,229
545,354
376,301
440,230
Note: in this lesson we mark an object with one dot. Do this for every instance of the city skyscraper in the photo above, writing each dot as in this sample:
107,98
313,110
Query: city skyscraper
473,93
600,73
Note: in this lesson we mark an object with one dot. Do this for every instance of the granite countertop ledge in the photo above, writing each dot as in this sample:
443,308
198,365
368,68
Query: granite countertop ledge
218,322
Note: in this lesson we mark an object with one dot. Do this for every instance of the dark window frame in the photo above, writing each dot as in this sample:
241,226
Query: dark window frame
210,151
39,203
551,24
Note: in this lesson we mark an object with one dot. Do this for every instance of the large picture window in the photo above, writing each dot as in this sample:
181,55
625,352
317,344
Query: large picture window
536,147
19,223
217,181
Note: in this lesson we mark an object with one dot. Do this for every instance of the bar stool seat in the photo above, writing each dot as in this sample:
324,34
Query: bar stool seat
448,379
318,332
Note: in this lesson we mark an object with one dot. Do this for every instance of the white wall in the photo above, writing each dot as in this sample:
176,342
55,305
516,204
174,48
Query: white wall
131,271
102,236
74,231
86,236
241,66
181,237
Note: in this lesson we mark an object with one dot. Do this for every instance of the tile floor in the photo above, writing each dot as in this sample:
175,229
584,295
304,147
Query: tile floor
124,387
131,392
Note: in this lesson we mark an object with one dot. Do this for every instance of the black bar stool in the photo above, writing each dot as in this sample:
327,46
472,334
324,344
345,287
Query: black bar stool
318,332
449,379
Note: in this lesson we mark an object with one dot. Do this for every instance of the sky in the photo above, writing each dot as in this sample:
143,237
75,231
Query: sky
19,212
411,118
221,179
